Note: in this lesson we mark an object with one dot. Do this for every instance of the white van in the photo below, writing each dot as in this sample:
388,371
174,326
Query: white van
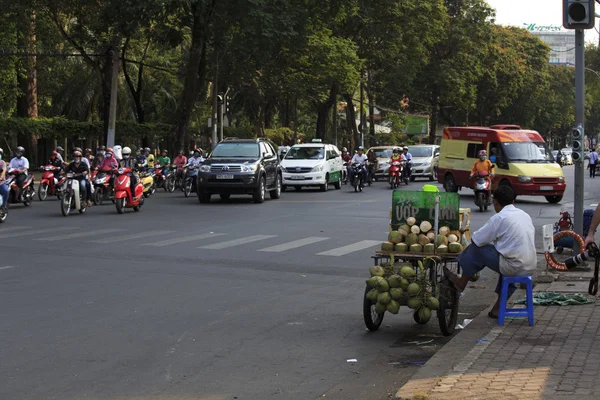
312,164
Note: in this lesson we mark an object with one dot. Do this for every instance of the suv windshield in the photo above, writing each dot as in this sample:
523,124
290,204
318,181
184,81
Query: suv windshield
383,153
305,153
426,151
236,150
531,152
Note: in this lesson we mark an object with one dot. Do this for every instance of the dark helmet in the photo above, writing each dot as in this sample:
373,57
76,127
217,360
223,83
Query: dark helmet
88,151
360,148
102,148
20,149
59,148
78,149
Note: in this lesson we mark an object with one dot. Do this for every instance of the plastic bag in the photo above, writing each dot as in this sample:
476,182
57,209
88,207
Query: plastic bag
557,299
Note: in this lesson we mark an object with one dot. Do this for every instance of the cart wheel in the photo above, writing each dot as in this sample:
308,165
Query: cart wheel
373,319
448,312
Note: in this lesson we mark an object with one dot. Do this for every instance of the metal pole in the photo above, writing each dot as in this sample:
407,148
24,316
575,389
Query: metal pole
362,124
334,118
112,111
215,105
579,121
221,113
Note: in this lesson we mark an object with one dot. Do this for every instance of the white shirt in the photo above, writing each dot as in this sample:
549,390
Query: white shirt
359,159
407,157
512,233
593,157
21,163
194,162
86,162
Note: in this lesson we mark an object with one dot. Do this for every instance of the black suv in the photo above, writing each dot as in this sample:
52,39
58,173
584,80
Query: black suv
240,166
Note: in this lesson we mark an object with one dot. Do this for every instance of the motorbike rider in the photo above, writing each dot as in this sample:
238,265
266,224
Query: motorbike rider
109,164
360,158
407,157
99,157
59,151
141,160
165,161
396,156
372,159
20,165
149,158
4,189
56,162
81,170
194,161
129,162
346,157
483,165
1,153
89,156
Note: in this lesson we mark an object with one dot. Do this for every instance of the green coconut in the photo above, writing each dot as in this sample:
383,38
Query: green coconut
404,229
387,246
442,249
404,283
372,295
380,308
429,248
423,315
395,237
396,293
441,240
393,307
444,230
394,281
401,247
433,303
423,240
413,289
413,303
452,238
372,281
411,239
382,285
384,298
407,272
425,226
416,248
431,236
377,271
455,247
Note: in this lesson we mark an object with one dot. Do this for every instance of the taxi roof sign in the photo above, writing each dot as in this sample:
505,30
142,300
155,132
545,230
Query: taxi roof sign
316,140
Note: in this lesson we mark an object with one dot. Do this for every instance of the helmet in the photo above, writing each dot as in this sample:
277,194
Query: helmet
344,149
405,148
164,151
360,148
78,149
20,149
147,149
102,148
126,150
180,151
88,151
1,151
59,148
396,150
482,153
53,154
77,153
110,150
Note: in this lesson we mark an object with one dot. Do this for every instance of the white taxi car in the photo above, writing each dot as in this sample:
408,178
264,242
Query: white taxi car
312,164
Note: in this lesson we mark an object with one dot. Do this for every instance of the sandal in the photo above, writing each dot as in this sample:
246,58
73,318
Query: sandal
492,315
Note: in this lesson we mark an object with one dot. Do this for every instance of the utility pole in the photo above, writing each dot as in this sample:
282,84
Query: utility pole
215,103
222,101
112,110
362,122
334,118
580,123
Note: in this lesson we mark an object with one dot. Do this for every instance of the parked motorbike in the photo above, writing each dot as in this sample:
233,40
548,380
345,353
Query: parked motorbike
125,195
356,178
394,174
72,198
50,185
103,189
25,195
483,190
190,180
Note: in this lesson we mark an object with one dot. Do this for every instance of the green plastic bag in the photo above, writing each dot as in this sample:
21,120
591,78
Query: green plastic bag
557,299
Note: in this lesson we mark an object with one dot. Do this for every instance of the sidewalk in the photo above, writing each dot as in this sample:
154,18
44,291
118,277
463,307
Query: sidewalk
558,358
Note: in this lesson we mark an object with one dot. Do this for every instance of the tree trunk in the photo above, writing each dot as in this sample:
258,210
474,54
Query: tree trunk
434,118
323,111
194,73
268,114
351,120
371,100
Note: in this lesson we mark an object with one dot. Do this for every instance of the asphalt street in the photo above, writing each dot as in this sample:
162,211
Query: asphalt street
212,301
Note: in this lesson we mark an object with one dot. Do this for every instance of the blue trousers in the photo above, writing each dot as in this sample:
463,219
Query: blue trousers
473,259
4,190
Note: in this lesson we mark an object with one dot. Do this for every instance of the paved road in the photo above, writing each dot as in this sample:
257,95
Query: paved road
220,301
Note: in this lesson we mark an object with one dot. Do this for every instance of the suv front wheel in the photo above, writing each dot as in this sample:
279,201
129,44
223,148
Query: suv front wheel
259,192
276,193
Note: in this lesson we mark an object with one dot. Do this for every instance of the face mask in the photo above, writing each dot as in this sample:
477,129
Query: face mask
77,160
109,155
483,158
196,155
126,156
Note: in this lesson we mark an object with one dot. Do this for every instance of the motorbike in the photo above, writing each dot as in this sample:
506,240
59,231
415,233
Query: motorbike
170,180
345,172
371,169
72,198
125,195
102,187
147,179
25,195
394,174
50,185
190,180
482,189
3,214
356,177
159,178
180,178
405,174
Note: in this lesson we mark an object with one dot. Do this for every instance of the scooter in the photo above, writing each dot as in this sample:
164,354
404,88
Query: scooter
482,189
72,198
394,174
124,197
170,180
405,174
25,195
190,181
147,179
371,169
345,173
49,183
102,187
159,178
357,177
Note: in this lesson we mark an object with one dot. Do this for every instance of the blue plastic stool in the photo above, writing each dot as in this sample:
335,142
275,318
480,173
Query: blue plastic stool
516,312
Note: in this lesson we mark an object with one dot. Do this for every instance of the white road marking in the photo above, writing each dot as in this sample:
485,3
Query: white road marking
37,232
129,237
232,243
351,248
7,267
294,244
77,235
169,242
14,228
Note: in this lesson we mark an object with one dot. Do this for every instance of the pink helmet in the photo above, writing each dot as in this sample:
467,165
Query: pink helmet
482,153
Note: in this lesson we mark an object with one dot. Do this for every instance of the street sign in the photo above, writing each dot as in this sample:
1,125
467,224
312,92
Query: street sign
421,205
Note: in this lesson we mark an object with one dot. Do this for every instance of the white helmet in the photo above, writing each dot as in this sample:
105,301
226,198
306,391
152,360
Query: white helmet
126,150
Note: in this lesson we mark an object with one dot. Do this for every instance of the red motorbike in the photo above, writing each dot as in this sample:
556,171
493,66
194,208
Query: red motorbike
49,185
482,189
159,178
394,174
102,186
25,195
124,198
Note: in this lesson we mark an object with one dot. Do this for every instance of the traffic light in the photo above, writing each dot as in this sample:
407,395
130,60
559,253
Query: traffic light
577,144
579,14
227,105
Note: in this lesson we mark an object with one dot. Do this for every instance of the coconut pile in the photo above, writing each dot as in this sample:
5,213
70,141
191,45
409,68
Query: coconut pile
402,284
420,238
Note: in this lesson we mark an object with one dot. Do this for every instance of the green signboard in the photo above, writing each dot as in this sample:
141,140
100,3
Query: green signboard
421,205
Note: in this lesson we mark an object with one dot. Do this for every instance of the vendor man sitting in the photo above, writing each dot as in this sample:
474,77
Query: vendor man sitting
505,244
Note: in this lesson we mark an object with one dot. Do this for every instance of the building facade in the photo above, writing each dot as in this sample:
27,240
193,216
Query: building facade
560,40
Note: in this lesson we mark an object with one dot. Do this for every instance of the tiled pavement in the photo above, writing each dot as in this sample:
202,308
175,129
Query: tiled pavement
557,358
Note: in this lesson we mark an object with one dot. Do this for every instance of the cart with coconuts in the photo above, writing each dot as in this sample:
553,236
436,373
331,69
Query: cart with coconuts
409,269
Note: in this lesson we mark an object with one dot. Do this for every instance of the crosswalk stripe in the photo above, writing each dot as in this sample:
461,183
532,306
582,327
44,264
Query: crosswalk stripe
36,232
129,237
77,235
294,244
351,248
184,239
231,243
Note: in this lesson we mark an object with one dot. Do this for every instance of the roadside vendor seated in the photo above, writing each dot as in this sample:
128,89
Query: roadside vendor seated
505,244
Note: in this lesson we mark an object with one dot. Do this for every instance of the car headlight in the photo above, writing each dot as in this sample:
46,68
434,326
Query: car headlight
425,164
561,179
318,168
283,169
524,179
205,168
249,168
384,165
